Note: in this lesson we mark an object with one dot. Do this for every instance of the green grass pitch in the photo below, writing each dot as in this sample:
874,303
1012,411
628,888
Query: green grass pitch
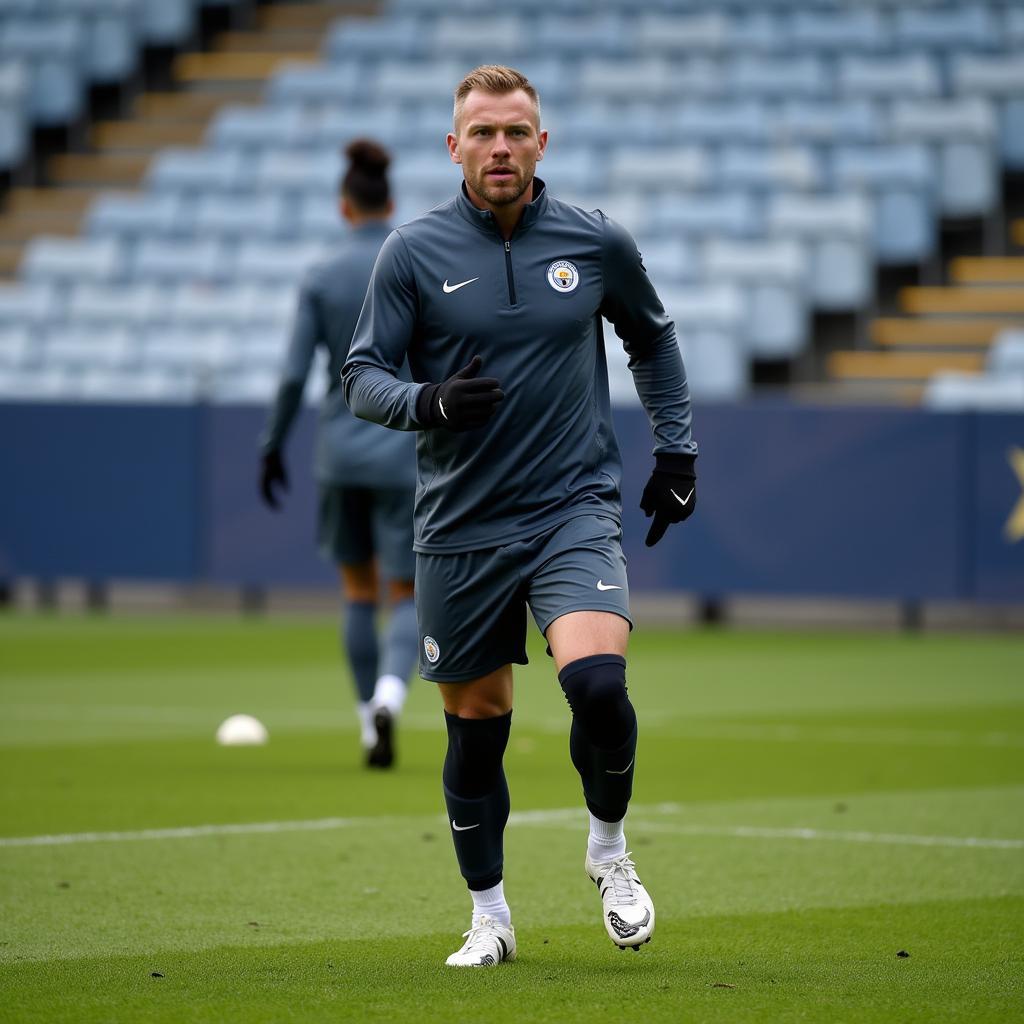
807,806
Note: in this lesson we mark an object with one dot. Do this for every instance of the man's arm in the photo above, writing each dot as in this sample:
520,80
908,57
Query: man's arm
649,337
633,308
385,328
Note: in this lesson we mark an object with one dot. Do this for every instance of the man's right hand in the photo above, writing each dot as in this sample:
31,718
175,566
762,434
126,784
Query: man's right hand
463,402
272,472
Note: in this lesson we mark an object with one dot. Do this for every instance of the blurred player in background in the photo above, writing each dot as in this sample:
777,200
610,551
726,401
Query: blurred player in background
366,475
519,501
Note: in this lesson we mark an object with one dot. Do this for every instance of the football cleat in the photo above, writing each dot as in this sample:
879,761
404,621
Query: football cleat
628,908
382,753
487,943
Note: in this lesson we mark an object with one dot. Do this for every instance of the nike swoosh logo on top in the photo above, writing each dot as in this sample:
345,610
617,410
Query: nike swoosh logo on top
682,501
601,585
608,771
449,288
464,828
440,405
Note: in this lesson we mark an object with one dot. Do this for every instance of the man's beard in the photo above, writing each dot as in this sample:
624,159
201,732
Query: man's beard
501,196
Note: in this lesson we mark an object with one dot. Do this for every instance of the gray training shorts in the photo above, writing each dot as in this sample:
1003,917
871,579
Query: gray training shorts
358,524
471,606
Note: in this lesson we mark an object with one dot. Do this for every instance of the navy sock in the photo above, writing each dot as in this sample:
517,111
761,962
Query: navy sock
402,642
359,638
476,795
602,742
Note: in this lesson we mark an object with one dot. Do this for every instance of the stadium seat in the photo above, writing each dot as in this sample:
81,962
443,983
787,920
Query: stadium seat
131,217
600,35
957,28
674,168
66,260
292,173
713,306
838,231
649,81
276,263
361,39
241,217
167,23
193,171
29,305
806,121
82,348
18,347
333,127
1006,356
317,86
695,215
768,169
413,82
233,307
710,122
772,77
504,38
52,48
169,262
669,261
838,30
256,128
111,36
132,306
910,75
959,392
197,350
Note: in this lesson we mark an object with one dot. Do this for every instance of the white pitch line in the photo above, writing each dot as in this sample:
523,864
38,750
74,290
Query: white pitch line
560,816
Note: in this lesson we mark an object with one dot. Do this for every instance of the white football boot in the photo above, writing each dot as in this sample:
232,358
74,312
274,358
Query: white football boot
628,907
487,943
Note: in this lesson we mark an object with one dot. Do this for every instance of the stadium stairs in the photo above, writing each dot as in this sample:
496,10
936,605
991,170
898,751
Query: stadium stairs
947,321
237,49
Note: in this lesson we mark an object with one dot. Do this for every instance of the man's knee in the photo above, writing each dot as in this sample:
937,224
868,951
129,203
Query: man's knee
476,747
595,688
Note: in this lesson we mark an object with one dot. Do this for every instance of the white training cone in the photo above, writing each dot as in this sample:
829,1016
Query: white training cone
242,731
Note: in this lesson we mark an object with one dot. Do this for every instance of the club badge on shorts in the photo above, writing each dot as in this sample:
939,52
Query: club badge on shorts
563,276
431,650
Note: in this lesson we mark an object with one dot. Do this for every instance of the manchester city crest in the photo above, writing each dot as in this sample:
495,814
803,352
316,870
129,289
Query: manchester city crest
430,649
563,276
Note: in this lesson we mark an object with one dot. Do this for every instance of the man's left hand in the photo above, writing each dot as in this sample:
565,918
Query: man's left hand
670,494
272,475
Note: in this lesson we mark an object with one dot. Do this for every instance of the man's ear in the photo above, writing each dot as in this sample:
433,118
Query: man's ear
453,148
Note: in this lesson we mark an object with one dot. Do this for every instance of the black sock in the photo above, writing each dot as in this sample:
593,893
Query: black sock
476,795
602,742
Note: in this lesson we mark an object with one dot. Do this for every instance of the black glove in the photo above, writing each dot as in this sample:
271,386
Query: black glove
272,472
462,402
670,494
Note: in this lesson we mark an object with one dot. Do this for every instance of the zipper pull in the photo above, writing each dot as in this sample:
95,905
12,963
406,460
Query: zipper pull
508,246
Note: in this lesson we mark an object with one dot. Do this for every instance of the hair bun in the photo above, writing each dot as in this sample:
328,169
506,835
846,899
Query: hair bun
368,156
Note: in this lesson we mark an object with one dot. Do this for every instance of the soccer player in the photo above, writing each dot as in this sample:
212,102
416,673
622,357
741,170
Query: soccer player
366,475
518,500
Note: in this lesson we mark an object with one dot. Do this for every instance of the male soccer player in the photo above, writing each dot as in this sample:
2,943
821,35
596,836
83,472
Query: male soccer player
518,498
366,475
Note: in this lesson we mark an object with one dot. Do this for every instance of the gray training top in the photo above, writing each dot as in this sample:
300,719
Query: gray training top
349,451
447,287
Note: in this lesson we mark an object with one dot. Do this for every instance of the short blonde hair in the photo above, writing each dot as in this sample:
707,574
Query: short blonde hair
493,78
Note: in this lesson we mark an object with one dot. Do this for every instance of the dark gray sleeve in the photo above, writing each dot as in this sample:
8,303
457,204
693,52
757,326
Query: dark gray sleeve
633,308
298,358
386,326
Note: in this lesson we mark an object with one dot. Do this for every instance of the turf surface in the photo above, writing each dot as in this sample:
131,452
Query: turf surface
807,806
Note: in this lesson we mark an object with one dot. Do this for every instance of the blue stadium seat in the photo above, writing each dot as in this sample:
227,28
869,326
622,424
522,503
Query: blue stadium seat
356,39
18,347
800,75
67,260
717,367
53,49
80,348
193,171
237,218
772,274
245,306
256,128
1000,78
601,35
956,28
13,138
294,173
707,32
499,39
768,169
167,23
195,349
415,82
678,168
905,75
131,217
112,36
957,392
29,305
1006,356
669,261
744,121
826,121
838,233
319,85
169,262
429,175
131,306
732,214
712,305
276,263
839,30
903,180
334,127
649,81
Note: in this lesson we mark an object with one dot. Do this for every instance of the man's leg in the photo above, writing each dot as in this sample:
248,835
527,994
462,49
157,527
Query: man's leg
589,647
359,640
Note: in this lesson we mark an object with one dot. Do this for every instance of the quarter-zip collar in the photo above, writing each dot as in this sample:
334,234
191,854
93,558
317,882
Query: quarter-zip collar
484,219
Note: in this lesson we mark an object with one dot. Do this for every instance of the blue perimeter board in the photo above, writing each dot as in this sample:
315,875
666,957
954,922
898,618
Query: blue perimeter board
843,501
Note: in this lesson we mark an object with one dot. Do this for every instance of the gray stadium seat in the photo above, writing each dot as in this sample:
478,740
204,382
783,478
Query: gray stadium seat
768,169
52,48
957,392
317,86
431,175
669,261
504,38
709,306
29,304
707,31
600,35
277,263
650,80
194,171
355,39
1006,356
734,214
714,122
414,82
132,306
64,260
838,231
18,347
953,28
83,348
839,30
233,307
914,75
337,127
765,77
169,262
240,217
256,128
675,168
294,173
195,350
111,44
717,368
167,23
135,216
806,121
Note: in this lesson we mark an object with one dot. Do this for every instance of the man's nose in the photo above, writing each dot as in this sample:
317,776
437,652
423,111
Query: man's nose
500,143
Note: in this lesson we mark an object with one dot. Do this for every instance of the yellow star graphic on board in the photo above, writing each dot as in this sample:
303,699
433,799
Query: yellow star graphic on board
1014,528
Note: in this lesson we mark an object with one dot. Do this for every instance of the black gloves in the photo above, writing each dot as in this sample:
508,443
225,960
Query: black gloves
462,402
670,494
272,472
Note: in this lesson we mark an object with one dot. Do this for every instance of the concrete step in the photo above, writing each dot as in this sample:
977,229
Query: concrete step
23,226
27,200
228,68
311,16
929,301
908,366
938,332
189,106
987,270
117,170
146,136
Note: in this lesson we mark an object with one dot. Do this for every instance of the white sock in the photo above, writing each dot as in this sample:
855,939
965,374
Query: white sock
389,693
606,841
492,903
367,730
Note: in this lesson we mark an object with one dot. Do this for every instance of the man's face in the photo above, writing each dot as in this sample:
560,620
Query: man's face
498,145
